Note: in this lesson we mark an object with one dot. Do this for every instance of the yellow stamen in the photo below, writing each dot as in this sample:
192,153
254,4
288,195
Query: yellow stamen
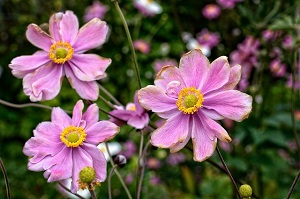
73,136
189,100
60,52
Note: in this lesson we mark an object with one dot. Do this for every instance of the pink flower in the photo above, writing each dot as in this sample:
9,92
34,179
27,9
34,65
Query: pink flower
277,68
135,115
207,38
96,10
211,11
148,8
159,63
228,3
62,54
190,98
142,46
63,146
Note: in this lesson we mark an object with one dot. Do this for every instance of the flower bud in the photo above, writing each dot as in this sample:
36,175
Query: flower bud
87,175
245,191
120,160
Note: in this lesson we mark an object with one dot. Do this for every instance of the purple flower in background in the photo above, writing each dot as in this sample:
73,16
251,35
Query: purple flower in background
277,68
211,11
147,8
135,115
228,3
287,42
159,63
63,146
190,98
142,46
129,149
289,82
247,56
62,55
207,38
270,35
175,158
96,10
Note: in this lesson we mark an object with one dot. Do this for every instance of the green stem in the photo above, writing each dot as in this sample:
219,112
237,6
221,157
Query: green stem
109,180
155,28
68,190
24,105
108,94
136,68
140,162
93,194
293,185
5,178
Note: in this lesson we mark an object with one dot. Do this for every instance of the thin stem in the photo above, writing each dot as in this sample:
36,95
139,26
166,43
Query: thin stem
68,190
24,105
140,162
93,194
228,172
5,178
136,68
108,94
109,180
108,103
155,28
293,185
117,172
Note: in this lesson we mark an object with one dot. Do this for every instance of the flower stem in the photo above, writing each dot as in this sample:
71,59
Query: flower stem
108,94
136,68
228,172
5,178
68,190
140,162
24,105
93,194
293,185
117,172
109,181
142,170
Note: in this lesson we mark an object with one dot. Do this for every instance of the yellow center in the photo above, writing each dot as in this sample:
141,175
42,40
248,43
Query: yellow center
132,108
189,100
60,52
73,136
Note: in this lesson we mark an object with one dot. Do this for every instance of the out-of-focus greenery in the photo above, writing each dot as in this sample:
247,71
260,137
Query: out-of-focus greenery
261,154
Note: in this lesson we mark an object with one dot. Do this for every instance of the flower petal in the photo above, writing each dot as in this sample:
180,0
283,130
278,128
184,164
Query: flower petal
91,35
91,115
217,75
89,67
138,108
49,131
38,37
167,75
54,26
139,121
77,113
86,90
203,146
101,132
69,27
174,131
60,117
234,77
194,67
231,104
154,98
44,83
178,146
23,65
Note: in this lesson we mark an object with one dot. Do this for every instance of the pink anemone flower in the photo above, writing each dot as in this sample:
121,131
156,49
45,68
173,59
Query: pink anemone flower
63,146
190,97
62,54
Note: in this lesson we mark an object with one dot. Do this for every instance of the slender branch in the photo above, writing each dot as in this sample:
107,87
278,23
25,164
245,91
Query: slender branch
229,174
115,2
24,105
68,190
108,103
93,194
140,162
109,180
108,94
293,185
117,172
5,178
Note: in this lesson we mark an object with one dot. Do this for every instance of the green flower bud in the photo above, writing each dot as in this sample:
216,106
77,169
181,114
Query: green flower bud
245,191
87,175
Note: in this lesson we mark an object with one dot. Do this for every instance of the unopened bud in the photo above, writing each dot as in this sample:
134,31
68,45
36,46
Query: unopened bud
120,160
87,175
245,191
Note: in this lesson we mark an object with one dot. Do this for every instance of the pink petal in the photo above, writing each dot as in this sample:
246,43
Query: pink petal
54,26
123,115
217,75
166,75
38,37
139,122
194,67
138,108
44,83
49,131
89,67
212,114
231,104
234,77
99,161
91,35
203,146
91,115
60,117
174,131
178,146
154,98
86,90
81,159
77,113
69,27
101,132
23,65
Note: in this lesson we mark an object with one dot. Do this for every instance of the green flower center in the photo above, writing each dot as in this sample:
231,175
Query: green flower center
73,136
189,100
60,52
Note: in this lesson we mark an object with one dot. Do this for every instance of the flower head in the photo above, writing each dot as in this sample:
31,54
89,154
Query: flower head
62,54
63,146
142,46
190,98
207,38
135,115
211,11
147,8
96,10
228,3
